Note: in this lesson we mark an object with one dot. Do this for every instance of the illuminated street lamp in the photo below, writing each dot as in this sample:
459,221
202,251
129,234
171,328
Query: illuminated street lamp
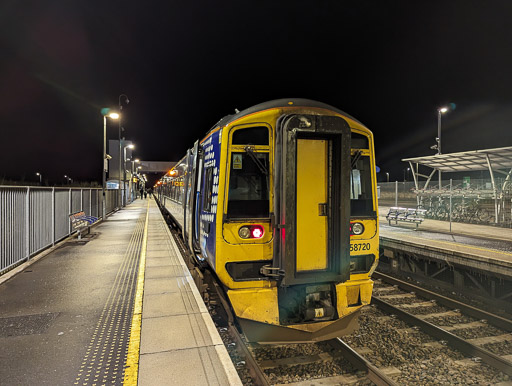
126,100
440,112
130,146
40,178
105,112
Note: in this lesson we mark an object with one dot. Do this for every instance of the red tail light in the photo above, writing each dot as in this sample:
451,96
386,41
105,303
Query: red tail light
257,232
251,232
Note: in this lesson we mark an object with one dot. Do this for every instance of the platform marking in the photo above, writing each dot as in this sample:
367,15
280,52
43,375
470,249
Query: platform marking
132,361
104,358
462,245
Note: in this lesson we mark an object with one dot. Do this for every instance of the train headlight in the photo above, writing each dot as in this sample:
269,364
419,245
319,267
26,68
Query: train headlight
244,232
356,228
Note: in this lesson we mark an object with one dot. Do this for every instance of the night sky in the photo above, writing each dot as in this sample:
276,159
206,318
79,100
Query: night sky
184,65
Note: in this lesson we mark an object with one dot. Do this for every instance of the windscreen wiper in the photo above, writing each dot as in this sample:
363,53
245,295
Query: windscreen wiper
249,150
356,157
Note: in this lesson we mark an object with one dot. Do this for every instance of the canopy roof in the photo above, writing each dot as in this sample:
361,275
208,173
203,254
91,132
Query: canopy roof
499,158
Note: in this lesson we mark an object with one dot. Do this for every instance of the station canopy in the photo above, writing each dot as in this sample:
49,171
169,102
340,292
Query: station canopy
488,159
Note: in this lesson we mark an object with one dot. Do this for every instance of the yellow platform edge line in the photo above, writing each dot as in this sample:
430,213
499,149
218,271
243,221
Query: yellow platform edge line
132,361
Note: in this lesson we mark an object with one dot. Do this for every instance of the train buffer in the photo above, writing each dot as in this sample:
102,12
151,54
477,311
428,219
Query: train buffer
80,221
406,215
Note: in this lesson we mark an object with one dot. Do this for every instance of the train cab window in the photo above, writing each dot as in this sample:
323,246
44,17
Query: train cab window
359,141
250,136
208,190
248,195
361,198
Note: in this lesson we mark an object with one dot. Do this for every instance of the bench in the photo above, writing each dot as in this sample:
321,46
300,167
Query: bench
412,215
80,221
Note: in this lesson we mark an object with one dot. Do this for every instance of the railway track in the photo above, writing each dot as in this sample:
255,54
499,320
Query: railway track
332,362
407,336
483,339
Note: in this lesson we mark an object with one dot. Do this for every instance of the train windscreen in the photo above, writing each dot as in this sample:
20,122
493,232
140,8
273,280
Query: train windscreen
248,195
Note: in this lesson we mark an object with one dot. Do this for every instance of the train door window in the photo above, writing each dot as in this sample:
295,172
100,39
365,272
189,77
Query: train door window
361,197
208,190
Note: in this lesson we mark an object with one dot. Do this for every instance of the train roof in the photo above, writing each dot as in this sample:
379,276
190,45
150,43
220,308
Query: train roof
296,102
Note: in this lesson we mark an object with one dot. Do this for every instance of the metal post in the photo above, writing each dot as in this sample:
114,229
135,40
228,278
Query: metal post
27,223
451,182
120,145
103,164
53,216
396,193
124,176
70,208
439,140
120,149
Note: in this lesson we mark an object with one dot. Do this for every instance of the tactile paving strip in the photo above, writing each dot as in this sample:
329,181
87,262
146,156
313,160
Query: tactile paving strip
106,354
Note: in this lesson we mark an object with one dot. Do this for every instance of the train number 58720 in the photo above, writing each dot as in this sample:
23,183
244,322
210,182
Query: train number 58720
359,247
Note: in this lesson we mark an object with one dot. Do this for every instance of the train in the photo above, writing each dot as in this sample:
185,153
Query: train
279,203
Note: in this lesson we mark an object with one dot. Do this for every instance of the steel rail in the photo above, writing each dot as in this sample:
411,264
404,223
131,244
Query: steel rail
457,343
476,313
254,369
373,373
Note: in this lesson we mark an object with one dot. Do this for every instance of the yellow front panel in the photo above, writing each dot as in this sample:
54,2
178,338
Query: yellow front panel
311,193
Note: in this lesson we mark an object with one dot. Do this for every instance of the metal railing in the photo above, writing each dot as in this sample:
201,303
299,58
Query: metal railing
34,218
498,204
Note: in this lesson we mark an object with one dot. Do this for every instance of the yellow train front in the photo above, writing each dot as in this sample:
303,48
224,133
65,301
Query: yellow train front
280,201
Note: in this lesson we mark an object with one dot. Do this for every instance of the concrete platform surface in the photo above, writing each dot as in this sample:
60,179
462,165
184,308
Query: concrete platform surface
71,316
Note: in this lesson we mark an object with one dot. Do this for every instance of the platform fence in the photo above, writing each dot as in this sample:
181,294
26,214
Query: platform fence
475,197
35,218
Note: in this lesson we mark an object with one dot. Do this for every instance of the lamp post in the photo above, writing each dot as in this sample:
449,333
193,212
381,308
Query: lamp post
387,176
130,146
132,170
105,113
121,97
440,112
40,178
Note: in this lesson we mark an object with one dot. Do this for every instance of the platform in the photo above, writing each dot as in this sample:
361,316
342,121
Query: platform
481,247
82,314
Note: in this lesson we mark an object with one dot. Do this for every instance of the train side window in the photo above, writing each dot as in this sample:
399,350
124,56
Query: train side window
257,135
361,198
208,190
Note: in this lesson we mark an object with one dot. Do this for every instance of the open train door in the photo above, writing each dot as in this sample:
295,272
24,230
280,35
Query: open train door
312,191
194,176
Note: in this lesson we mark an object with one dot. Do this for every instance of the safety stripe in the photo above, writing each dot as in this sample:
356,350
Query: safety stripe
132,361
104,359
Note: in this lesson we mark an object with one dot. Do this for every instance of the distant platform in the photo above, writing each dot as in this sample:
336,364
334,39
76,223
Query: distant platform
481,247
